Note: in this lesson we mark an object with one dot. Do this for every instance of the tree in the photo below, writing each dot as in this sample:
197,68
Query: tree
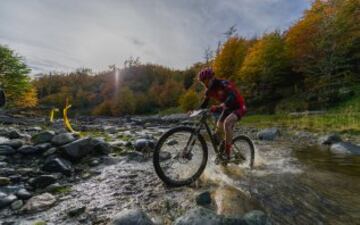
14,77
123,103
266,69
230,57
189,101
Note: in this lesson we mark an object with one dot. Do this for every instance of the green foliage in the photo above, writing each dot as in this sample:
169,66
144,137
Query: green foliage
123,103
189,101
15,81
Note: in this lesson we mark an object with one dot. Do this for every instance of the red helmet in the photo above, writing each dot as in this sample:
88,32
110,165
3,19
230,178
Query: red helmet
206,73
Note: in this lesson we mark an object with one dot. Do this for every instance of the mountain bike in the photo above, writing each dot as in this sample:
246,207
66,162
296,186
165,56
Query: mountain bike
181,154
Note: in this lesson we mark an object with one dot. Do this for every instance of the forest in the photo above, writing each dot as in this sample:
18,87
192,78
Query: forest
314,65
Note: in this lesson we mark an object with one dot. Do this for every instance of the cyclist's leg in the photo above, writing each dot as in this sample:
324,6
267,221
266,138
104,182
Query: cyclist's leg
220,123
229,124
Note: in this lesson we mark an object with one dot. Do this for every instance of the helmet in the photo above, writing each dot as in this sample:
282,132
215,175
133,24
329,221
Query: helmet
206,73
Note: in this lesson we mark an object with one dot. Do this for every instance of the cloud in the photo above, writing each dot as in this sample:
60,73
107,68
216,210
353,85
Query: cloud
67,34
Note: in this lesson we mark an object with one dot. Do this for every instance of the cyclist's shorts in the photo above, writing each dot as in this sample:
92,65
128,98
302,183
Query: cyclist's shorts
239,112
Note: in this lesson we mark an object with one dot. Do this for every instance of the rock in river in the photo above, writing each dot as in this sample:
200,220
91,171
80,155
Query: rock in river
43,181
7,150
79,148
58,165
43,137
329,139
6,200
268,134
131,217
256,217
345,148
63,138
39,203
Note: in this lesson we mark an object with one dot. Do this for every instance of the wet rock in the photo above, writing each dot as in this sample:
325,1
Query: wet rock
58,165
28,150
55,188
101,147
43,146
76,211
256,217
3,140
4,181
199,216
345,148
13,133
144,145
78,149
268,134
50,151
7,171
7,150
329,139
110,129
6,200
39,203
131,217
3,164
62,139
203,198
43,137
43,181
15,143
172,142
17,204
23,194
164,156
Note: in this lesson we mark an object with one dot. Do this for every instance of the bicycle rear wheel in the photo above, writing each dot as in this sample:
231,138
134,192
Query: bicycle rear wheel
171,164
243,151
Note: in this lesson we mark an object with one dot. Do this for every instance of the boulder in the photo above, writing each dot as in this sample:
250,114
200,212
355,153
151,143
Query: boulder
101,147
7,150
13,133
28,150
6,200
345,148
199,216
256,217
39,203
131,217
62,139
164,156
43,137
78,149
203,198
76,211
15,143
144,145
4,181
17,204
329,139
268,134
58,165
3,140
23,194
43,146
42,181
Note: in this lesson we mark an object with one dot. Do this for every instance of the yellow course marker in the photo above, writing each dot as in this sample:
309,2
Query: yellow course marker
52,114
66,119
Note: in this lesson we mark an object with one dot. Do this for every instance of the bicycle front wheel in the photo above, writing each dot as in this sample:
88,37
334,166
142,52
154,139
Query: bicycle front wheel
178,162
243,151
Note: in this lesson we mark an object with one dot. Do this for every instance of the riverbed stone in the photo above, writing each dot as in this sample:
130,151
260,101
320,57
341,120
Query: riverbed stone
345,148
164,156
101,147
43,181
23,194
15,143
144,145
28,150
268,134
3,139
203,198
58,164
17,204
199,216
39,203
76,211
43,146
7,150
329,139
4,181
42,137
256,217
6,200
78,149
131,217
63,138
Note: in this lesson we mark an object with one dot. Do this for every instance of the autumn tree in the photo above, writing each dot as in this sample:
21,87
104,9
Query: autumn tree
189,101
14,79
230,57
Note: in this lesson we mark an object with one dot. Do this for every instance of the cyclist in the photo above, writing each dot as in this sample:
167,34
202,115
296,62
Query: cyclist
232,106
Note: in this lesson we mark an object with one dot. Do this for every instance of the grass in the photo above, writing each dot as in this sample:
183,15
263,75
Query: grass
39,223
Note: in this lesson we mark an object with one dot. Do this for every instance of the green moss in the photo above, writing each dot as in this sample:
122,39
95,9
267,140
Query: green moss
62,190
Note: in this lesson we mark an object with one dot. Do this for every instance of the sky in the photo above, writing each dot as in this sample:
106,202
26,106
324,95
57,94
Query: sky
65,35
